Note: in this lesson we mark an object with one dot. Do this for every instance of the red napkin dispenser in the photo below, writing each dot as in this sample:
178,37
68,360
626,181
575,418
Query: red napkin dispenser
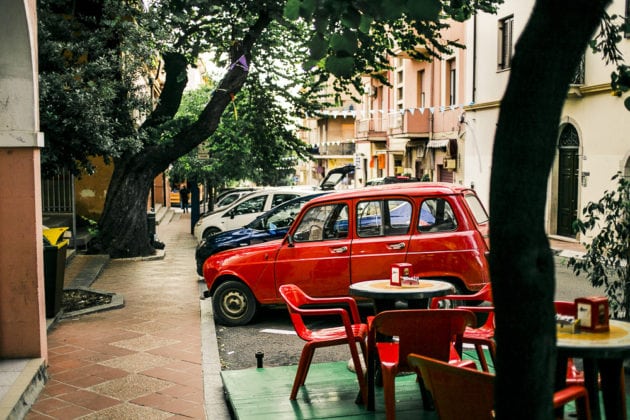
592,312
400,270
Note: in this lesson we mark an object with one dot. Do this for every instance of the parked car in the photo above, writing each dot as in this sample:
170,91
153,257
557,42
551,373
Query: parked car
391,180
247,208
229,197
243,211
347,237
273,224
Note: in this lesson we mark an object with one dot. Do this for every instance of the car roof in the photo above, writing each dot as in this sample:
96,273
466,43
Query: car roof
265,191
405,188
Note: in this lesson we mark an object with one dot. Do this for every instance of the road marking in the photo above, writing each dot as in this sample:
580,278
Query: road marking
275,331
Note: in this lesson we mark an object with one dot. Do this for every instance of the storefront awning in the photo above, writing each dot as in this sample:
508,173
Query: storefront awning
437,144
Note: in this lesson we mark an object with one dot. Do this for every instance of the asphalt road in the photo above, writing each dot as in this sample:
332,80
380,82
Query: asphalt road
272,332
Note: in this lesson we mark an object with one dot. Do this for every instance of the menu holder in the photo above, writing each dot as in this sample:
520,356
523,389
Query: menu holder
592,312
398,272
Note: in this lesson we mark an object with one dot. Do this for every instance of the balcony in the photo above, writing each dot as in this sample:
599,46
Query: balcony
411,122
335,148
370,128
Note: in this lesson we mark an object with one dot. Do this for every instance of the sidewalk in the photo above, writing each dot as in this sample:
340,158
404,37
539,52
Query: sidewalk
154,358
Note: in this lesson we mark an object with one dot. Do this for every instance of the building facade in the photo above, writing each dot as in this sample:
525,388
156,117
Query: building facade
593,141
412,127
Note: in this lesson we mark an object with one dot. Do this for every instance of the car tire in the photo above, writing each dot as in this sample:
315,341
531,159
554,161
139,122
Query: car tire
234,304
211,231
452,304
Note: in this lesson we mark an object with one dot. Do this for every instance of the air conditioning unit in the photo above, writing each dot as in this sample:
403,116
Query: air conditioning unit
450,163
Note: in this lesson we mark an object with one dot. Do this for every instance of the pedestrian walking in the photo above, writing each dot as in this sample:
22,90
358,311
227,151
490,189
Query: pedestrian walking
183,198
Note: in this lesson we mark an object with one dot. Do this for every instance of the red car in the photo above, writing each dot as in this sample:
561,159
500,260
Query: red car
352,236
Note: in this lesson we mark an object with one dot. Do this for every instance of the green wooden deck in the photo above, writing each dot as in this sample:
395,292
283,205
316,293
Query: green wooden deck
330,392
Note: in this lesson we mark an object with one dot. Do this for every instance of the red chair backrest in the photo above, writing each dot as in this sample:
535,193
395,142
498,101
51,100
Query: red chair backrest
458,393
424,331
295,298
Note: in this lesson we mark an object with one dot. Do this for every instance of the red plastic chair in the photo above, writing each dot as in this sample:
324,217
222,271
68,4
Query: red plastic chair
423,331
482,336
460,393
352,331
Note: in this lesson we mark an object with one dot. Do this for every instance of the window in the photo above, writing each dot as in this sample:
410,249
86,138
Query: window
506,27
282,217
420,84
400,88
476,208
383,218
281,198
436,215
325,222
253,205
451,75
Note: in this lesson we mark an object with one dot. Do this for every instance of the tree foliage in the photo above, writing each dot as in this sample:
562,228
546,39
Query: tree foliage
90,59
253,142
607,259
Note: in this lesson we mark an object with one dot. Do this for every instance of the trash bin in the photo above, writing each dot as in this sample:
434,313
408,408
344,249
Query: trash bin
54,268
151,225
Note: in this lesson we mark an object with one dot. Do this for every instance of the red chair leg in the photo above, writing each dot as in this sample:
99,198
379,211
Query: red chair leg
389,390
358,369
302,371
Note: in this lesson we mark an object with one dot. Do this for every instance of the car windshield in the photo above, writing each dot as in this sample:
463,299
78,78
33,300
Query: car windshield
280,217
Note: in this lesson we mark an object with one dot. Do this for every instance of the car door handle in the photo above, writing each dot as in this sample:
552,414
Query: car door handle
339,250
400,245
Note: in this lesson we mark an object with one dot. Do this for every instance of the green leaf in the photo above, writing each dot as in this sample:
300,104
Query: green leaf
344,43
340,66
366,22
351,18
626,103
319,47
426,10
306,8
292,9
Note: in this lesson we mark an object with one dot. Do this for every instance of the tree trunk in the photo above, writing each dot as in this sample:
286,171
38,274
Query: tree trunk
123,228
522,266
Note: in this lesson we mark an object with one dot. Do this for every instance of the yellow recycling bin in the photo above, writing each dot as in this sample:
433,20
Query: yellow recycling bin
54,268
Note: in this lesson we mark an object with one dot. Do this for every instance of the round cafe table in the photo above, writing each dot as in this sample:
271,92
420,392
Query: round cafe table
603,353
385,295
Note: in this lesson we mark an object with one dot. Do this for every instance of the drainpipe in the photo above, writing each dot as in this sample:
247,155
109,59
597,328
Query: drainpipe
474,60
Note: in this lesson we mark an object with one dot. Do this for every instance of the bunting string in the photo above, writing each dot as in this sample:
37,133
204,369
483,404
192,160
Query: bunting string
381,112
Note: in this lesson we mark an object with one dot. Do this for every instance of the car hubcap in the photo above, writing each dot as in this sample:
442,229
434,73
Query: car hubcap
234,304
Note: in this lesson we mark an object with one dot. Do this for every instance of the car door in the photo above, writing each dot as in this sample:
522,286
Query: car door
317,255
383,230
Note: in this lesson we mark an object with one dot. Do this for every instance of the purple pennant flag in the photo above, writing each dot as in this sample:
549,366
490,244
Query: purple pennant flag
241,62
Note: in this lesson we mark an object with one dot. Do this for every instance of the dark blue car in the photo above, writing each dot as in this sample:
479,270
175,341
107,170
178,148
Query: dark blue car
273,224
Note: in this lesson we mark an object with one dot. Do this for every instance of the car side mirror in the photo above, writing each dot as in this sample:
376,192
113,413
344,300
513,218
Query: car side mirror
290,241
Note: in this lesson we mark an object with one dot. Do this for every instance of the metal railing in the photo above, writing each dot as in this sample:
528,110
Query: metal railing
57,194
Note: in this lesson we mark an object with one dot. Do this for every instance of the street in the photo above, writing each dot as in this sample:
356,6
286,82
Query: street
272,332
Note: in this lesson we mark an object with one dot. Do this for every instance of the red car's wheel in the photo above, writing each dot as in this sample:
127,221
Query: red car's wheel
234,304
